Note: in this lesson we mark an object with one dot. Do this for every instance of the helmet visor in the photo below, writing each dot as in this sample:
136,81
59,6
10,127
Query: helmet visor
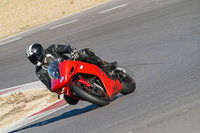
34,58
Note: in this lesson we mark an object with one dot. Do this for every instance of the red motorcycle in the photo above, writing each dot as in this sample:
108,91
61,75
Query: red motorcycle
84,81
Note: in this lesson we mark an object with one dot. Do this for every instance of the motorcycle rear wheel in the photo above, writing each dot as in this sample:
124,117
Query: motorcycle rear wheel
128,84
80,90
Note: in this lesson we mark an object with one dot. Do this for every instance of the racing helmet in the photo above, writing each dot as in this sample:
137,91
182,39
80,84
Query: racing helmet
35,53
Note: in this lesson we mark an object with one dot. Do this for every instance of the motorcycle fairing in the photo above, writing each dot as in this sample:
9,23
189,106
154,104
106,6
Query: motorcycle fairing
69,68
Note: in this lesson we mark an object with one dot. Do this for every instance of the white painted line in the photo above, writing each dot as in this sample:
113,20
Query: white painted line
26,121
113,8
64,24
10,41
22,85
48,113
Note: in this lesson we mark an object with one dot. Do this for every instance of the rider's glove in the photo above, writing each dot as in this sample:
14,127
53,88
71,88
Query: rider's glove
75,54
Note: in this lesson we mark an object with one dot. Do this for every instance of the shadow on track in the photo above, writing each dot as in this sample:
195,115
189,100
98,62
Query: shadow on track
65,115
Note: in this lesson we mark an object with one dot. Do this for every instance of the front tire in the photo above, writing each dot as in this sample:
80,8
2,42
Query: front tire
128,84
70,100
80,90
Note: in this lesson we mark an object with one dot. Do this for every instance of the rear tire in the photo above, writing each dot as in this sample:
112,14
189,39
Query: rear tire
128,84
81,92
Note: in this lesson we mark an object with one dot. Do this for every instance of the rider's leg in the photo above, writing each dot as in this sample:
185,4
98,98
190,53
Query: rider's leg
89,56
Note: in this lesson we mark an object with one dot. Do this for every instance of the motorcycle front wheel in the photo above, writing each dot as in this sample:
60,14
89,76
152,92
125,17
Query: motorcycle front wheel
97,96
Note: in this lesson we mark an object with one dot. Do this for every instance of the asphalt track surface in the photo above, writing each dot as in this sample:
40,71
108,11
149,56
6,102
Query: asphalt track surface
156,41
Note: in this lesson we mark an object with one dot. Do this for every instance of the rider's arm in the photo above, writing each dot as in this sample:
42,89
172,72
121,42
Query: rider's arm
61,49
43,76
64,49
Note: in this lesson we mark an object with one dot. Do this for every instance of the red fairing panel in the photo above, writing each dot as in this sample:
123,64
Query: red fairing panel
65,76
70,68
56,85
112,86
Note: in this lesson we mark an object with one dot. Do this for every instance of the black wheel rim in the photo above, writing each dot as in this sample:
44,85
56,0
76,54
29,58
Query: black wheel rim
95,92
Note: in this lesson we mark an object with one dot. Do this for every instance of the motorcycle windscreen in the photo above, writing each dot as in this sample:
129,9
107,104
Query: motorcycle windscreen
53,70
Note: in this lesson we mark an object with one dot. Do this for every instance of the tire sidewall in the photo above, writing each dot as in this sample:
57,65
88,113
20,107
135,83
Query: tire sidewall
89,97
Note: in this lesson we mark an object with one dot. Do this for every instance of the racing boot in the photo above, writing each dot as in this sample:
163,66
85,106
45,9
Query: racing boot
109,69
118,74
110,66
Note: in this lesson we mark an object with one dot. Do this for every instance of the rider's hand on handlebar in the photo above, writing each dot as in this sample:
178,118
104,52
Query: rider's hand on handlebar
75,54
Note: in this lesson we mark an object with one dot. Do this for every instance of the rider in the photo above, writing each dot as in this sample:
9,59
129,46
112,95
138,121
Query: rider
42,58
